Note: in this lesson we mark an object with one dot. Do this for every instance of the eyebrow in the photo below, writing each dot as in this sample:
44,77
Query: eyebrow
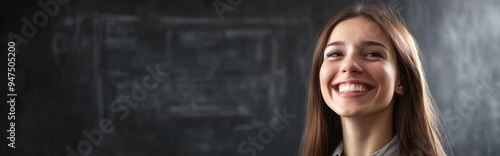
336,43
363,44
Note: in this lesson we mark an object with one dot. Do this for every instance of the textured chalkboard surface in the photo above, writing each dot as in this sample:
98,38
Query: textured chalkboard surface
178,78
460,44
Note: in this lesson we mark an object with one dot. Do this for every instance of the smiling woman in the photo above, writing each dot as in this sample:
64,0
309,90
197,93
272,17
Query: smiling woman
367,91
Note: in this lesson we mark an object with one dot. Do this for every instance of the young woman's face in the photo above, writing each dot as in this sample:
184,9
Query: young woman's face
359,73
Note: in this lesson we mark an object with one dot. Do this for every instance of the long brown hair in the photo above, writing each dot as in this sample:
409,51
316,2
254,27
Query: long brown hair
415,118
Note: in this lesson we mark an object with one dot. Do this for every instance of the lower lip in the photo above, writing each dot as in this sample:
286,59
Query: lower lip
352,94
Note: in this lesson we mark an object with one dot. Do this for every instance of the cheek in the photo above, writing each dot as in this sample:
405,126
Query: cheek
385,75
326,74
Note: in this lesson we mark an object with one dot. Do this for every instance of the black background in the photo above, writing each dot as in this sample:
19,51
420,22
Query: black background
222,78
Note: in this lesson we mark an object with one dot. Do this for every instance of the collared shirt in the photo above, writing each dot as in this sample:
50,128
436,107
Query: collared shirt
390,149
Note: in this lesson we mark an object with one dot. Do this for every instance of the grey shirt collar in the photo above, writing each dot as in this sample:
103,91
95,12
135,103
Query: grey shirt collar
388,150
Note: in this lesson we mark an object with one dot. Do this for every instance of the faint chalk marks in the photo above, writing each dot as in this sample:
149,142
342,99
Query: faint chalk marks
56,38
199,39
250,33
217,71
176,21
303,64
277,87
168,47
249,126
69,38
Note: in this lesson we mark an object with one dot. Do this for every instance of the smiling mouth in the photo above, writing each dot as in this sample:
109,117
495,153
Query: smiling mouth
347,88
352,89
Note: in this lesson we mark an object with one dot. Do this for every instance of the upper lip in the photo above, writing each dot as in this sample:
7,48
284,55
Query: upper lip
351,81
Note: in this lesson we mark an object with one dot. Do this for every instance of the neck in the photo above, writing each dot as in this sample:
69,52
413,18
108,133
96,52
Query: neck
367,134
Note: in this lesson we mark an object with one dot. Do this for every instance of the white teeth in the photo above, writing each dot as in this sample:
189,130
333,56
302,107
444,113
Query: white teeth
344,88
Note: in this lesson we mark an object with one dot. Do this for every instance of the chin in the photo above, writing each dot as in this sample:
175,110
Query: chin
349,113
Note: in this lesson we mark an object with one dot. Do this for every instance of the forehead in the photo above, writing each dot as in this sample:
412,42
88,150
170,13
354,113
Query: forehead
358,29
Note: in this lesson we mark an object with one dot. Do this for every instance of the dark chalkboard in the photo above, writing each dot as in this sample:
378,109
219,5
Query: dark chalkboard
221,77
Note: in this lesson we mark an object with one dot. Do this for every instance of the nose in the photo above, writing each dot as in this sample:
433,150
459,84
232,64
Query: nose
351,64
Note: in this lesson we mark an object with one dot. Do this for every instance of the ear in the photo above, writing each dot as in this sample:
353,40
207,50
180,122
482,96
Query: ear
399,88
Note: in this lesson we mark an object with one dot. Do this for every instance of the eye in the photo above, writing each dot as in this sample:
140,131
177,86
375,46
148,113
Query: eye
333,54
374,54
